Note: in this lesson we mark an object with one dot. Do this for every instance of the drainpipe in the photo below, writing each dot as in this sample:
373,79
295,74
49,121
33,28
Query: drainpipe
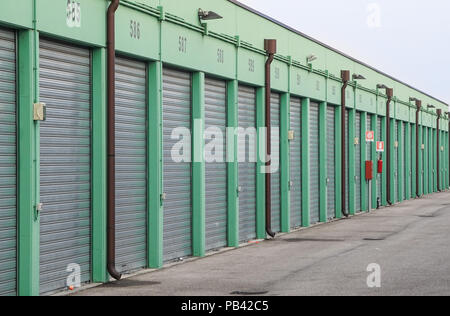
439,113
390,94
111,52
271,48
418,148
345,76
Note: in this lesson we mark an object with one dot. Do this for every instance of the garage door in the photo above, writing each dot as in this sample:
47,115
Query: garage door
358,193
216,171
275,162
379,175
347,155
331,163
65,237
296,163
314,205
131,165
247,163
177,172
368,156
8,191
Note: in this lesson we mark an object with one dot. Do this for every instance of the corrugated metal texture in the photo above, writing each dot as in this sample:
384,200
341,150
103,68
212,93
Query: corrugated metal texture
296,163
131,165
177,175
368,156
247,163
358,193
403,163
275,161
216,171
379,175
348,143
396,160
314,139
8,182
412,160
65,236
331,162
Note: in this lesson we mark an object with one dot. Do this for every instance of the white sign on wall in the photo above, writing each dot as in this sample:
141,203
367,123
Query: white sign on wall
73,14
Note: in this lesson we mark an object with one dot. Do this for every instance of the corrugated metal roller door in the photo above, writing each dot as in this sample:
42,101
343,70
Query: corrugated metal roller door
368,156
403,165
331,162
347,156
216,171
412,165
314,205
379,175
296,163
65,236
177,174
247,164
275,161
8,190
358,193
396,160
131,165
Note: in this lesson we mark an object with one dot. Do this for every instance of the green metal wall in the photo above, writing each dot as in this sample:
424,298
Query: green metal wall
165,33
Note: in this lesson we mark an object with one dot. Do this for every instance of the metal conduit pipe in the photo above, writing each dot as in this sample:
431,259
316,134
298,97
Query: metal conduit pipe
438,143
270,46
390,94
111,215
418,107
345,76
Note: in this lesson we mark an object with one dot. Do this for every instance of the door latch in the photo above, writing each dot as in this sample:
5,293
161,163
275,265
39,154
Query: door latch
39,112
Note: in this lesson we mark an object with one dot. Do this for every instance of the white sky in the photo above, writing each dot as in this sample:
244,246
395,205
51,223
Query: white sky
410,40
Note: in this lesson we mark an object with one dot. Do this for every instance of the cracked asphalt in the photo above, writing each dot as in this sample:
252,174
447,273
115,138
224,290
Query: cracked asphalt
409,241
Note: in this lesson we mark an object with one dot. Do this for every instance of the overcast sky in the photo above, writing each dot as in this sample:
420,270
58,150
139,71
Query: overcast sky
408,39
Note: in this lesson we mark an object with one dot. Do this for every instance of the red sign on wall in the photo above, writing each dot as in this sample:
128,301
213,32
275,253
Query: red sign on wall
370,136
380,147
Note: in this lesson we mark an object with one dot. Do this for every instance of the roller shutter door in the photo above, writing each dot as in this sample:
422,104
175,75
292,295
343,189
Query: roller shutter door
368,156
216,171
247,163
65,236
379,175
396,160
275,161
347,160
296,163
131,165
314,205
358,193
8,190
331,163
177,232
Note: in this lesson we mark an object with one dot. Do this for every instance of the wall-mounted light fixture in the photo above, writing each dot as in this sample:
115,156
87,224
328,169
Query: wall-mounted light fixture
358,77
431,106
311,58
208,15
382,86
412,99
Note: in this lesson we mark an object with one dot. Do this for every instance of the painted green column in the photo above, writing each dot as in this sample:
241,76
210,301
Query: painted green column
362,176
99,162
232,164
305,162
413,161
420,160
198,164
400,167
323,175
260,166
384,158
374,160
284,162
155,166
425,160
392,160
407,161
338,161
351,161
434,160
28,169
